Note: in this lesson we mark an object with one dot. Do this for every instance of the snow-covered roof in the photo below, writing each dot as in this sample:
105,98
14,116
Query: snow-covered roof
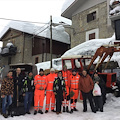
59,33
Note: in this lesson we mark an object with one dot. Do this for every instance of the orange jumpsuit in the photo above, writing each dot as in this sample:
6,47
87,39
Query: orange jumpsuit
39,81
74,82
49,91
66,75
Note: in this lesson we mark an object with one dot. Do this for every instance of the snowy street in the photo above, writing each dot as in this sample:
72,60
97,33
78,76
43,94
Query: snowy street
111,112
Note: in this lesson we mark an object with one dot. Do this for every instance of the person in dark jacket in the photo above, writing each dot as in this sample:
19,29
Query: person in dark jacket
28,89
103,87
7,93
86,86
99,99
17,78
58,88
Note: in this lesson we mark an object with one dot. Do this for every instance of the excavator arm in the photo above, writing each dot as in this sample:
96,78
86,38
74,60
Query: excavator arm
103,52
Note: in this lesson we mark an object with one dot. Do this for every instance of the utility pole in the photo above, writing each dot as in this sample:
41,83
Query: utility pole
50,41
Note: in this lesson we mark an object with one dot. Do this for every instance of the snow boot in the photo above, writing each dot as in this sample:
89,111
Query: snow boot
46,111
63,109
84,110
101,110
40,111
94,111
71,111
28,112
57,113
67,110
75,109
5,115
35,112
53,110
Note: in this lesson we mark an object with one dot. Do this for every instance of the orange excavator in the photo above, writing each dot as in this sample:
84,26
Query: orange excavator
81,62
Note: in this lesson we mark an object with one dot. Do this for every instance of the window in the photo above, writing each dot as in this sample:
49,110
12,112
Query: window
91,36
91,16
36,60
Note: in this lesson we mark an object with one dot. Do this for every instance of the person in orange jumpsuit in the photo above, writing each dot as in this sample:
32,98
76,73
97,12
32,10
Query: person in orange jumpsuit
40,83
74,83
50,96
66,75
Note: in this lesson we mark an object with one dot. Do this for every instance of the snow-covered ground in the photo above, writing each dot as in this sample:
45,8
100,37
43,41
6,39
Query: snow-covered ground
111,112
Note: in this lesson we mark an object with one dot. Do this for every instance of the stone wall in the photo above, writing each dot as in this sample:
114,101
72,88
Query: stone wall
80,25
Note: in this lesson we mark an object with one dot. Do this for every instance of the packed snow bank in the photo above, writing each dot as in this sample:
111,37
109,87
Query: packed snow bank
111,112
56,63
90,47
66,4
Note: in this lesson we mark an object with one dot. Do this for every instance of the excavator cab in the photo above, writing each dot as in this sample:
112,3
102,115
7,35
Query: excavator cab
77,62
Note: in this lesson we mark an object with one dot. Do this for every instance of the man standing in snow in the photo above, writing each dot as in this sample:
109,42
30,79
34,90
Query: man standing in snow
50,96
58,88
17,78
66,75
28,89
40,82
7,93
74,81
86,86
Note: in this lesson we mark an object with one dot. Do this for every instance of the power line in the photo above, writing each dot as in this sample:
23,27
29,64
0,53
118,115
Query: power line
37,30
23,21
42,30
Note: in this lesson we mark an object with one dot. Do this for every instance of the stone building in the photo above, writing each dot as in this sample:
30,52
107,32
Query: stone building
89,20
33,48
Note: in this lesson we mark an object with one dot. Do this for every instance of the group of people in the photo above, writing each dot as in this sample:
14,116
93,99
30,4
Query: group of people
61,89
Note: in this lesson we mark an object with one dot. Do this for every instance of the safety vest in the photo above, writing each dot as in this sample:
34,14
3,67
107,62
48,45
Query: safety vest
50,81
39,81
66,75
74,82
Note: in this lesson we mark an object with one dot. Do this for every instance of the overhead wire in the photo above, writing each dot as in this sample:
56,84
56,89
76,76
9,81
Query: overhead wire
23,21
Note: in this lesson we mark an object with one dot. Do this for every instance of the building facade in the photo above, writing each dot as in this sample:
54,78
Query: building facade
30,48
90,20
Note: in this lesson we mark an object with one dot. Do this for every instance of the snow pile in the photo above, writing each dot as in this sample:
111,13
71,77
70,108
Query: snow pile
115,10
56,64
90,47
112,1
63,20
66,4
9,44
59,33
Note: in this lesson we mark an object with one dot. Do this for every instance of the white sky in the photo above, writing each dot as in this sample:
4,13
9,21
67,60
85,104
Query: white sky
29,10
